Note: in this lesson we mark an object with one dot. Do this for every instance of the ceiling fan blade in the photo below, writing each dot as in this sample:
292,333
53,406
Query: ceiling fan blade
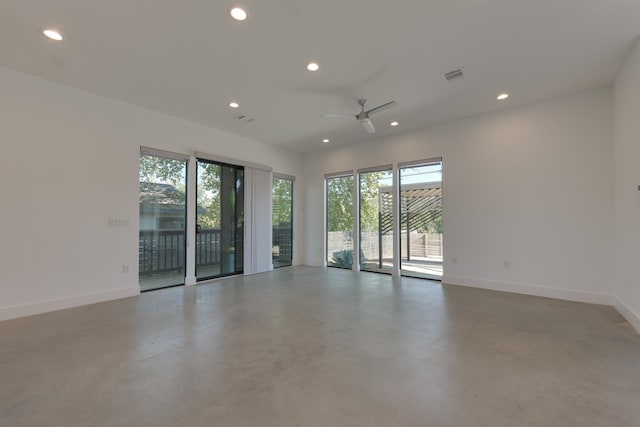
382,107
338,116
368,125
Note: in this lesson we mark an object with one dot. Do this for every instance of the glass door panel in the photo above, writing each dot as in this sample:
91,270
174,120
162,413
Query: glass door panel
163,214
282,222
219,220
376,221
421,221
339,237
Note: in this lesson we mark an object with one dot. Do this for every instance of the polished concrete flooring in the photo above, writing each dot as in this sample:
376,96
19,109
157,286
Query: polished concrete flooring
321,347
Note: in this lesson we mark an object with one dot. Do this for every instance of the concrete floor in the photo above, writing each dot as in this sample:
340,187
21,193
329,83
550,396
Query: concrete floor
164,280
419,267
423,267
321,347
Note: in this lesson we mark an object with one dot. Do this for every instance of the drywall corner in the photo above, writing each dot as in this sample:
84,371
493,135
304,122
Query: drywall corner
632,317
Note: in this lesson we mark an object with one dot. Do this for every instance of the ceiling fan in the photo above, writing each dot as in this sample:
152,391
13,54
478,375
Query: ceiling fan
363,116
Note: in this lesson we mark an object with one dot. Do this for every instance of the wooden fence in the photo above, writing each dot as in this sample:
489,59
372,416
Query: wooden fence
421,245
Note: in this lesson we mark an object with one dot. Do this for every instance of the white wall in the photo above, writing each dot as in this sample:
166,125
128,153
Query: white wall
627,196
69,162
529,185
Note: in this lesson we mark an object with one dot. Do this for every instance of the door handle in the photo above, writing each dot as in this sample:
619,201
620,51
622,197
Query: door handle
198,229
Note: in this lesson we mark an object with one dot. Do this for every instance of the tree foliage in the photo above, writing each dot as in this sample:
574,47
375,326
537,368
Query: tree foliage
434,226
339,194
209,194
369,200
282,201
163,171
167,171
340,202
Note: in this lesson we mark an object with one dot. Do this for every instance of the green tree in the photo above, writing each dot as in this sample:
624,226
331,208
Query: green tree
435,225
369,200
163,171
340,202
282,199
167,171
209,194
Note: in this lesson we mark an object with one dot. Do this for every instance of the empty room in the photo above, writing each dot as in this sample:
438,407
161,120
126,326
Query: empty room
320,213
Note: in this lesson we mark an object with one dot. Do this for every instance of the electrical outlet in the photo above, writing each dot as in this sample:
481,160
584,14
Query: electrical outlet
506,265
118,222
125,268
454,260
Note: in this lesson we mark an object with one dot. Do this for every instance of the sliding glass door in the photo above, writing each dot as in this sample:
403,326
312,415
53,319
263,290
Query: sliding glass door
339,205
219,220
421,220
417,233
163,214
376,220
282,221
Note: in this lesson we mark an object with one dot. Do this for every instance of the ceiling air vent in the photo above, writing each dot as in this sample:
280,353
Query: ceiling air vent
453,75
244,118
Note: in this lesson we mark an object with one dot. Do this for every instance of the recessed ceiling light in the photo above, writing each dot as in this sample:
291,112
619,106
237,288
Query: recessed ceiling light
313,66
394,124
234,105
52,34
238,13
503,96
326,141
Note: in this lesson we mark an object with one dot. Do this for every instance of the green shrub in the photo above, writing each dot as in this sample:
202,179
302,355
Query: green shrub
342,259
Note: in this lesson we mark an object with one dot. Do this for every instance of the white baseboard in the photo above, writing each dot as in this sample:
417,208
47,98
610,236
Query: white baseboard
13,312
539,291
632,317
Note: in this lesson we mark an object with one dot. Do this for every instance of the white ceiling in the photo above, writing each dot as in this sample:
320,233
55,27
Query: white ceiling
187,58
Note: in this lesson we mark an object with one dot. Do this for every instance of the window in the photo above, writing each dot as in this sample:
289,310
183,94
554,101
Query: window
163,214
219,220
282,221
339,205
376,220
421,219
